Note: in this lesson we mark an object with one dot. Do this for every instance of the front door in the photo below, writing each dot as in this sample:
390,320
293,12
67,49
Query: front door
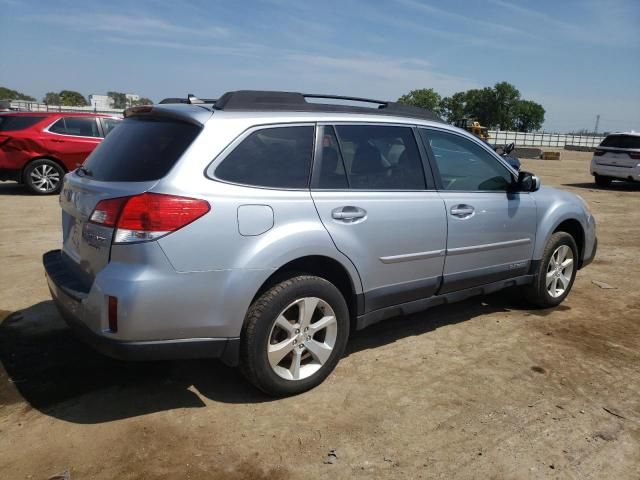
373,197
491,230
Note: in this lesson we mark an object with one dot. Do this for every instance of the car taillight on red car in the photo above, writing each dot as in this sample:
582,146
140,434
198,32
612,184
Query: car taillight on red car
148,216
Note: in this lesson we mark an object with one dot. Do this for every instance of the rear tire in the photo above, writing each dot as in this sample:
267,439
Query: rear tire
603,181
294,335
43,176
556,273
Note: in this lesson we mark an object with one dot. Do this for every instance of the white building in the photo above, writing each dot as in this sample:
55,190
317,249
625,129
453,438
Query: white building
100,102
132,97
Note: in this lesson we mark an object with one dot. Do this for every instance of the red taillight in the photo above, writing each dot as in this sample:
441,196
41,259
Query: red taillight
147,216
107,211
599,153
634,155
112,311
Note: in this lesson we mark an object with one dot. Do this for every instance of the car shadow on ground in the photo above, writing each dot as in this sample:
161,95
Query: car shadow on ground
621,186
14,189
61,377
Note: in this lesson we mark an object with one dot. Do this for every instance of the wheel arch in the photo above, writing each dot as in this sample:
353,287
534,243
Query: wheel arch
574,228
324,267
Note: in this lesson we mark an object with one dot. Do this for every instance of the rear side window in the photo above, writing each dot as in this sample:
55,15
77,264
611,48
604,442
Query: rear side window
277,157
12,123
109,124
140,150
378,157
77,126
621,141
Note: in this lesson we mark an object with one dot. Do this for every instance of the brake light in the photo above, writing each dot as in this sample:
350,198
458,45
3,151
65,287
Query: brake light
147,216
599,153
635,155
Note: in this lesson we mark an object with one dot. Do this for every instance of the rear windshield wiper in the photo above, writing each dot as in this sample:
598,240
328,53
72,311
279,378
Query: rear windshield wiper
84,171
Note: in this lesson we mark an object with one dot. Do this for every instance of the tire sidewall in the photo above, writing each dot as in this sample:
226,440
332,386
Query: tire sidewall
556,240
35,163
304,286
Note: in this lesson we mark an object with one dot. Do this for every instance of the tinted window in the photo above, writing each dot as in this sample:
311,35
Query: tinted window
621,141
78,126
464,165
331,172
271,157
11,123
109,124
140,150
380,157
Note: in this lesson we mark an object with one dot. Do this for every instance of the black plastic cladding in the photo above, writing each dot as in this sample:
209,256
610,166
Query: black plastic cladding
257,100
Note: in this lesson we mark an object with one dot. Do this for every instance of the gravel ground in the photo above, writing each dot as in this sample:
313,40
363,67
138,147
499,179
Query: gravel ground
483,389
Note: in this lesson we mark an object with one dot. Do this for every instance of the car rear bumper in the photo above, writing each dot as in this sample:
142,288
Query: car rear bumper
619,172
71,303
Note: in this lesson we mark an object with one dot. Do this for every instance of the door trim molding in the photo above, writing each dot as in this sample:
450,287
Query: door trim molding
410,257
487,246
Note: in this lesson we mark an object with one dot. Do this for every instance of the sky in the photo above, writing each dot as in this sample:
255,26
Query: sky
578,58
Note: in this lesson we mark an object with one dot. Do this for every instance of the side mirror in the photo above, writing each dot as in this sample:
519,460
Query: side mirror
527,182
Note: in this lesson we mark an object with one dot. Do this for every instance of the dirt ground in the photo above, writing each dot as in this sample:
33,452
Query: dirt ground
483,389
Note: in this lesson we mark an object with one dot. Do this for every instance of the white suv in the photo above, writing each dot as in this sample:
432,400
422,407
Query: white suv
617,157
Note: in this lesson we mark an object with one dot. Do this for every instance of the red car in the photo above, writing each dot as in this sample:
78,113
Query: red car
38,148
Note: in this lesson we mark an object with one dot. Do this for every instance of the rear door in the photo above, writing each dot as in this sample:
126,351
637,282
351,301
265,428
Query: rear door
381,210
129,161
491,231
72,139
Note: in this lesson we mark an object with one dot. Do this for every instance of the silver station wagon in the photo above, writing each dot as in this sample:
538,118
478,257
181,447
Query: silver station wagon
263,227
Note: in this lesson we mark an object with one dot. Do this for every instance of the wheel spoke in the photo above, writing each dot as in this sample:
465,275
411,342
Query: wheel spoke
568,262
278,351
307,308
321,324
285,325
550,277
554,287
295,364
565,281
562,253
319,351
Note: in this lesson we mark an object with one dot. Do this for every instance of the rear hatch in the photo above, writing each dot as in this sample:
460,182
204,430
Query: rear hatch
129,162
619,150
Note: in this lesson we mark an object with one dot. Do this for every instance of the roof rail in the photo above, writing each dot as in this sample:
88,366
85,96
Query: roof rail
191,99
252,100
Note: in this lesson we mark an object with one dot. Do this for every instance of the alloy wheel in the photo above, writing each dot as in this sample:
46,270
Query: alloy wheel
45,178
559,271
302,338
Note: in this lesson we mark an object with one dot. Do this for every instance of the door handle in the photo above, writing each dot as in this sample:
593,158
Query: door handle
462,211
56,140
348,214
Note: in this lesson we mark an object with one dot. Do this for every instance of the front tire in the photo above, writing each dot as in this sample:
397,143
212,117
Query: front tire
602,181
43,176
294,335
556,273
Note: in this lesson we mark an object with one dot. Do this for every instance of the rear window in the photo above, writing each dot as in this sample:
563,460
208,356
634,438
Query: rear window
140,150
12,123
621,141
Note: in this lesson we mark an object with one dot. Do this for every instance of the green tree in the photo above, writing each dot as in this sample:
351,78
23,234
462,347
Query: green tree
119,99
505,101
71,98
52,98
426,98
143,101
529,116
453,107
9,94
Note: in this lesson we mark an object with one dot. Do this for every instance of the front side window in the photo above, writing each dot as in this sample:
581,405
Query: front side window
77,126
109,124
465,166
380,157
278,157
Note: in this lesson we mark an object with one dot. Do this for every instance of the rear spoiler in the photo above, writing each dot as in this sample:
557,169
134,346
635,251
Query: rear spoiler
191,99
195,116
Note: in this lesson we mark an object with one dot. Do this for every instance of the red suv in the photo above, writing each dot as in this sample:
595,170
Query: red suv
38,148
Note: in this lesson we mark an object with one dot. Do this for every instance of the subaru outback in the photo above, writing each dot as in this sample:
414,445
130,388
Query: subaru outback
264,227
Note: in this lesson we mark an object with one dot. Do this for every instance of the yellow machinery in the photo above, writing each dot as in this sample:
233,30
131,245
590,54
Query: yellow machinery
474,127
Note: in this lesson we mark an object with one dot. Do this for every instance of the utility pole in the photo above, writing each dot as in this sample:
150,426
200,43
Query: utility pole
595,130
